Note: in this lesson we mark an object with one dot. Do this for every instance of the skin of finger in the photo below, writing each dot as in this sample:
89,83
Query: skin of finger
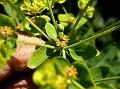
23,52
5,71
20,82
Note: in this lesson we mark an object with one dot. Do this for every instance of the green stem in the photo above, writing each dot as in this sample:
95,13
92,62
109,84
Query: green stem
96,35
34,43
19,12
51,13
106,79
37,28
77,84
64,54
81,15
64,9
108,27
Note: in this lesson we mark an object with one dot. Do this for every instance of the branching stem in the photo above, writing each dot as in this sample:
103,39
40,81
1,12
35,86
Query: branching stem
35,43
94,36
37,28
51,13
80,15
64,9
77,84
19,12
106,79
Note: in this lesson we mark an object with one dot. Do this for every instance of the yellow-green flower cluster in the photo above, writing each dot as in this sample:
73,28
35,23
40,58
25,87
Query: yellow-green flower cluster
59,82
70,71
82,3
6,31
33,7
62,40
46,75
90,9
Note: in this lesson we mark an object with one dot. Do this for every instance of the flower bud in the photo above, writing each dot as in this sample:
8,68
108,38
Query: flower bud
82,3
90,11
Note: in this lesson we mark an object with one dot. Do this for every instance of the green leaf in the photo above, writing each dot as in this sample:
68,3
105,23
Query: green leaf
104,57
61,63
2,60
96,73
10,11
64,18
7,42
81,33
74,56
98,21
84,77
105,85
50,30
47,19
39,21
99,72
37,58
81,22
86,51
72,86
7,21
4,1
10,45
115,68
105,70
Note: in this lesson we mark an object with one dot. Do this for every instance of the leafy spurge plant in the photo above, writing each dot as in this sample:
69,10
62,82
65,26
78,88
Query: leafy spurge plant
61,63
